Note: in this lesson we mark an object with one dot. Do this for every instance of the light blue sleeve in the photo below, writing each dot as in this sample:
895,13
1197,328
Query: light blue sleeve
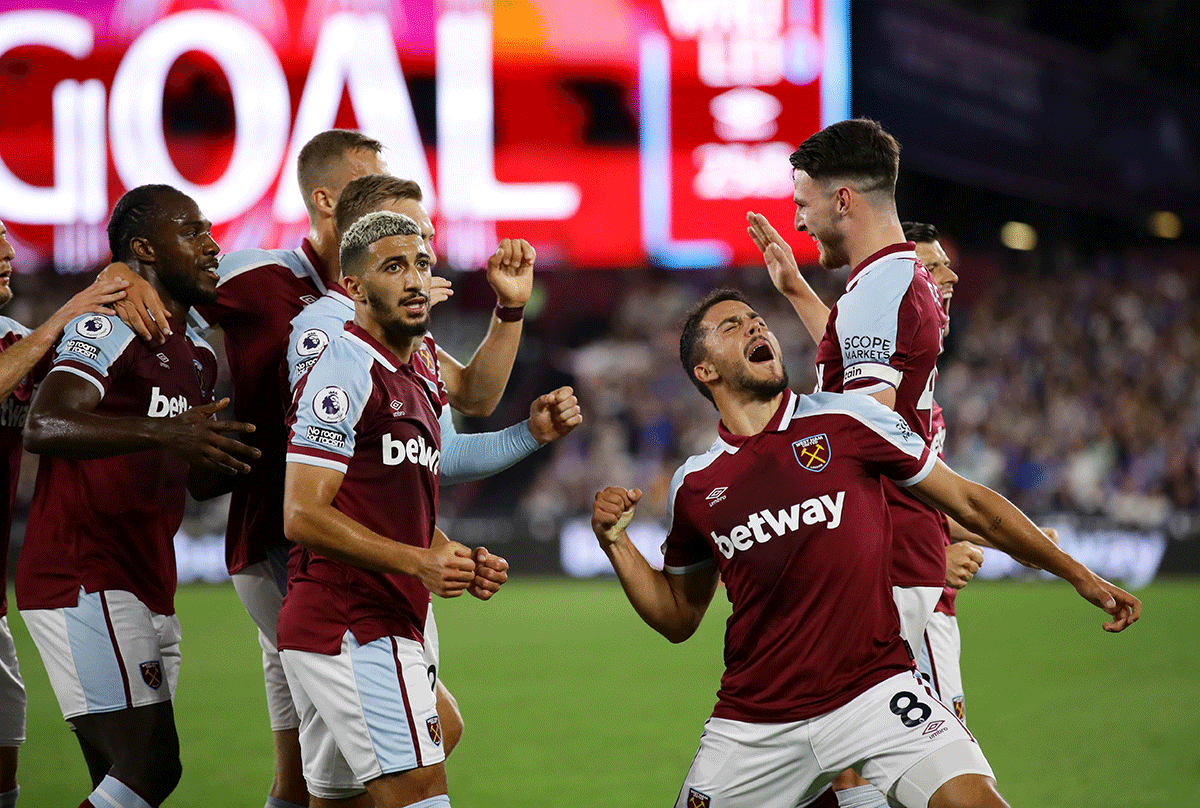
90,344
466,458
329,408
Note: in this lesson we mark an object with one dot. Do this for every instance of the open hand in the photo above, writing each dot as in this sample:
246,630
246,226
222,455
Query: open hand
510,272
195,436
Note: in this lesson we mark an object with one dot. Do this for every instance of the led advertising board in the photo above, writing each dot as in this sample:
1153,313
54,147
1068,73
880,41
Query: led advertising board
610,133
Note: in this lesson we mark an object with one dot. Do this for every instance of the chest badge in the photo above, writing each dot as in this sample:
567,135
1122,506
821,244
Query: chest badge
812,453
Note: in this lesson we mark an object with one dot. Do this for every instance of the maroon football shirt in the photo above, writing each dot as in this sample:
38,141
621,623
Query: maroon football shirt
361,411
796,521
886,331
110,522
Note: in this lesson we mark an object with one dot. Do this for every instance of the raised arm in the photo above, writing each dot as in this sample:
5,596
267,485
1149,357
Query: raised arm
446,569
23,356
785,274
983,511
672,605
477,387
478,455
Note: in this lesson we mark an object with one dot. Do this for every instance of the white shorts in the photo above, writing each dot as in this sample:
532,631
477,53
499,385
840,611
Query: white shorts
939,661
261,588
367,711
12,691
915,604
905,741
107,653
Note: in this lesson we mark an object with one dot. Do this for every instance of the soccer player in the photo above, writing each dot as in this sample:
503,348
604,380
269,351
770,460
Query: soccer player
123,429
463,457
259,293
787,509
361,500
21,351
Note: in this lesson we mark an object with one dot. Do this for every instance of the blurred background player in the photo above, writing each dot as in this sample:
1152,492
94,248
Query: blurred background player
365,432
817,677
123,428
259,293
21,353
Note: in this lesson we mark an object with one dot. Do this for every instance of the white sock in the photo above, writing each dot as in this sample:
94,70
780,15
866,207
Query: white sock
861,797
112,793
9,798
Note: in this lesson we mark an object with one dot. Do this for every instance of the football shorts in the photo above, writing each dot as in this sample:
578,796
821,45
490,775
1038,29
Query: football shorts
939,662
12,690
364,712
906,742
109,652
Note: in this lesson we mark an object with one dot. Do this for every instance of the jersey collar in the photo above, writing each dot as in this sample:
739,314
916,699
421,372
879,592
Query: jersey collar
779,422
873,260
314,264
382,354
338,293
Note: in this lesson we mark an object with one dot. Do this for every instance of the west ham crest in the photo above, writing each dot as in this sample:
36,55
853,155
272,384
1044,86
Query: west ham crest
697,799
812,453
435,729
152,673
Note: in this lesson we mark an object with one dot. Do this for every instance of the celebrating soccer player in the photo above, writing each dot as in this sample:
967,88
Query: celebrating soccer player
21,368
123,429
817,679
365,433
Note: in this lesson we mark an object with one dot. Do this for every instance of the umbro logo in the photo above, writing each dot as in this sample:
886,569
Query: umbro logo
716,495
397,408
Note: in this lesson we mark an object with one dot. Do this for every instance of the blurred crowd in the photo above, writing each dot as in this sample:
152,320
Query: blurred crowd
1069,384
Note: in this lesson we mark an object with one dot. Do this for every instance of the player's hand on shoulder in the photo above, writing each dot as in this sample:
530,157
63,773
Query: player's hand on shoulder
510,272
98,298
491,572
553,415
1123,607
448,569
612,511
440,290
963,560
141,309
195,435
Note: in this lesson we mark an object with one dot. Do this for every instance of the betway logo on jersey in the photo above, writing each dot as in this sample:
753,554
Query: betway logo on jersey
762,526
163,407
13,412
414,450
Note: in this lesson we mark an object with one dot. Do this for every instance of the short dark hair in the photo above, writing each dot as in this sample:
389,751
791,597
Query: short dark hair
920,232
691,339
323,152
365,194
366,231
135,214
857,150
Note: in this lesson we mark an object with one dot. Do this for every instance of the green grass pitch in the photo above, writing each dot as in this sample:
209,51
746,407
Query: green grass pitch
571,701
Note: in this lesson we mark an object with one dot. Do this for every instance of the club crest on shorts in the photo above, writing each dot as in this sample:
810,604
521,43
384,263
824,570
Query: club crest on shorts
812,453
960,708
435,729
698,799
152,673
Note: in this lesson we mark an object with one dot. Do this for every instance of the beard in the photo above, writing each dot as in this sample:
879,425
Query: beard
762,389
396,326
188,291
